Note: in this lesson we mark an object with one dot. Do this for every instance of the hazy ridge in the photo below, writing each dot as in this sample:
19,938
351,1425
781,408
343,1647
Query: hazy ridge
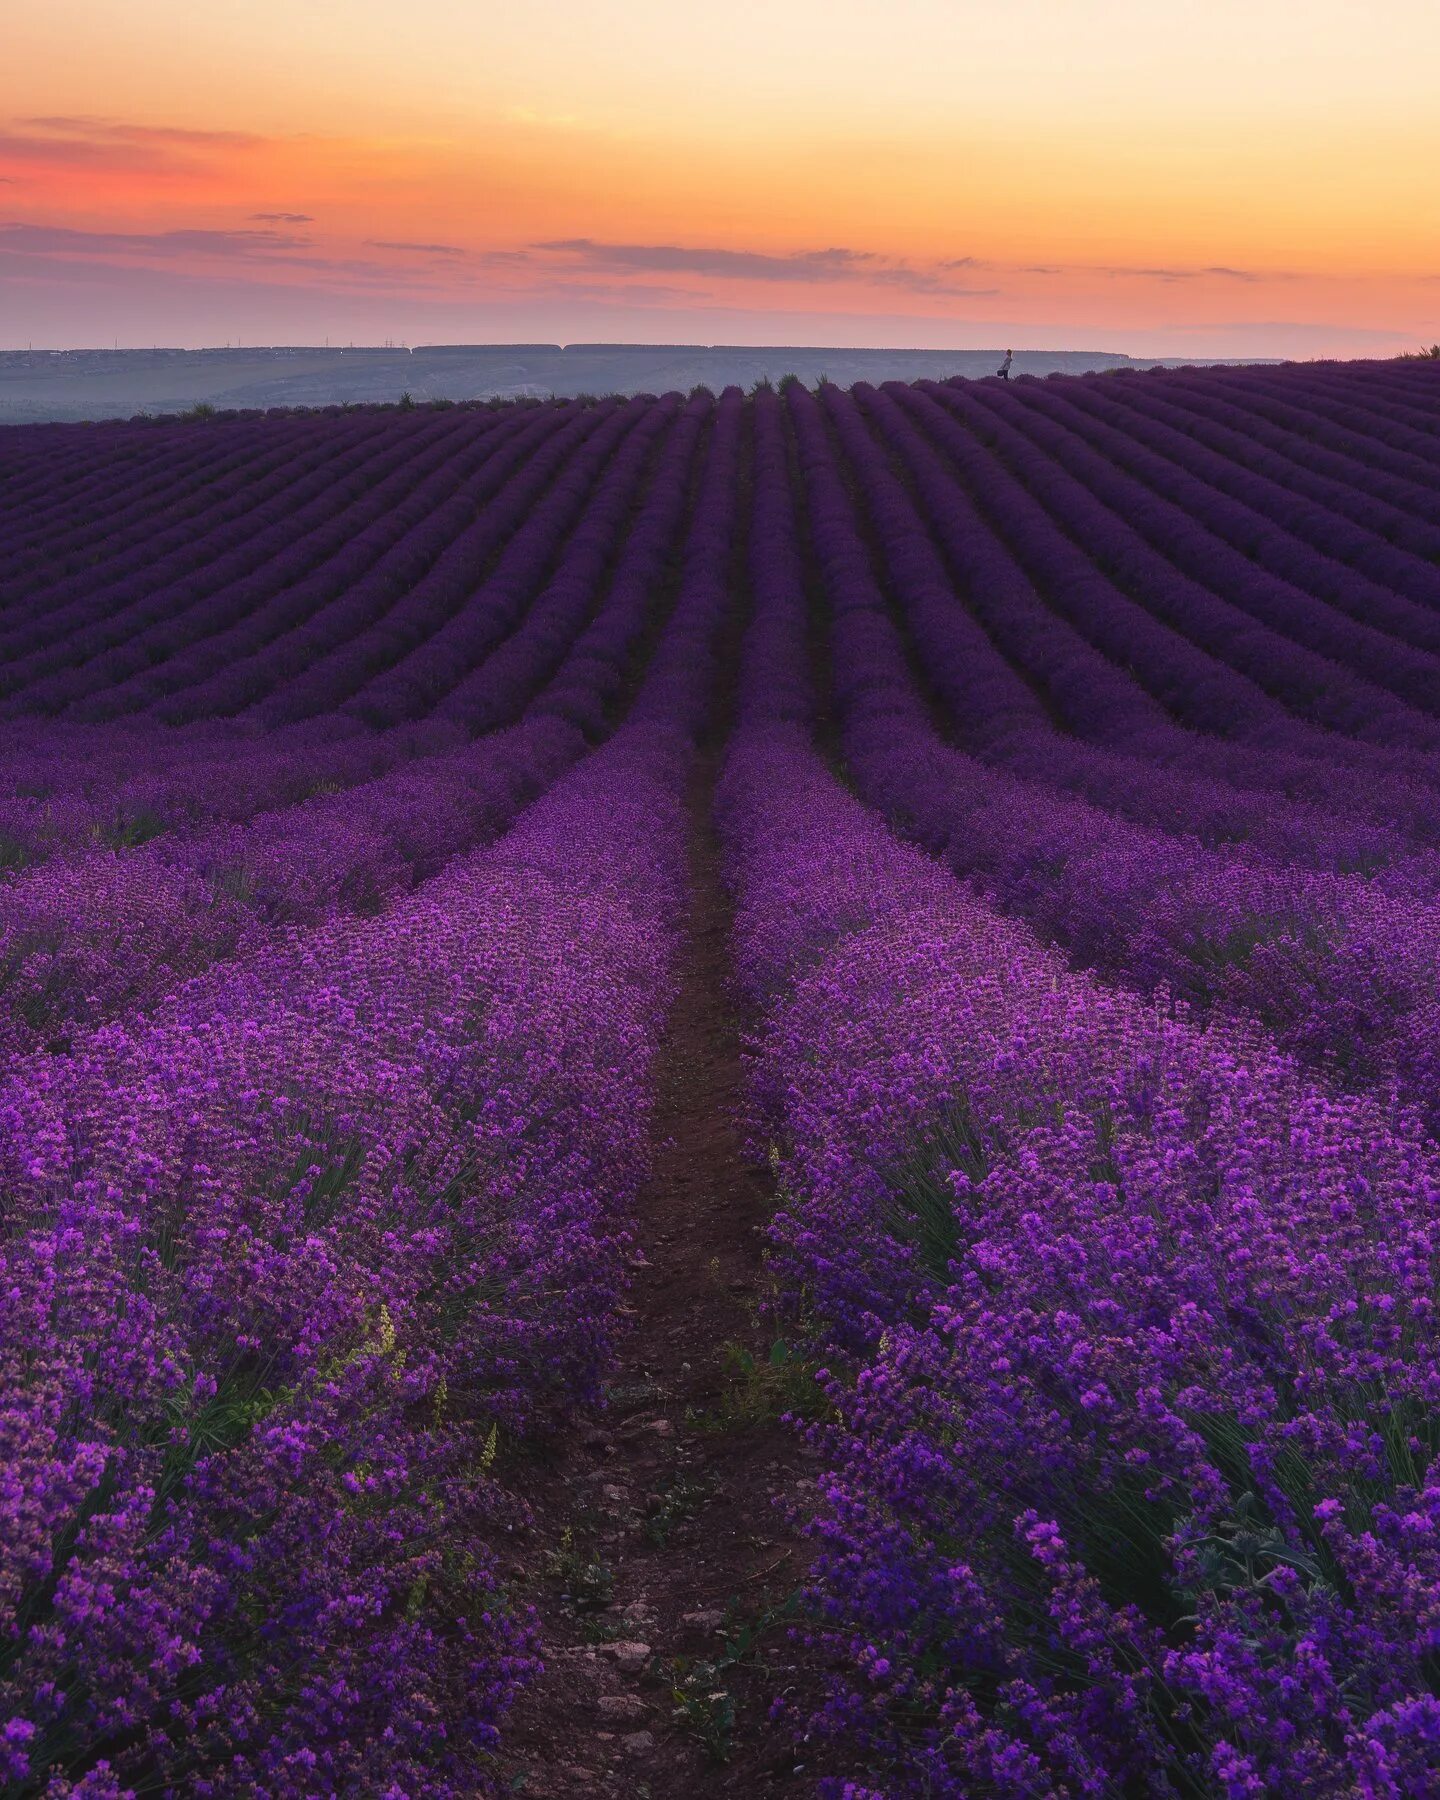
71,385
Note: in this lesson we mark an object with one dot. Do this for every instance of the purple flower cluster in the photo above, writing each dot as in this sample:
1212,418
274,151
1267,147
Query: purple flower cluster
280,1262
1128,1346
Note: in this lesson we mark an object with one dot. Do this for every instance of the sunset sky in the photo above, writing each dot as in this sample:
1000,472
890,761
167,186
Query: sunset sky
1222,177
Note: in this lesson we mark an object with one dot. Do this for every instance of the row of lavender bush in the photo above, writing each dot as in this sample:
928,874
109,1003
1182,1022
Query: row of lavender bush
1340,968
1126,1326
291,1253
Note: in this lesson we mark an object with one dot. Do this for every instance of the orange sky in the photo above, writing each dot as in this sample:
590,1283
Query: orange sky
1162,177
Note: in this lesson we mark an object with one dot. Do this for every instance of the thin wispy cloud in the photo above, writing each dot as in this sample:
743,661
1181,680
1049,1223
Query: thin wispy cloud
1211,271
86,126
609,293
1123,271
751,265
253,257
922,281
836,263
61,240
78,153
403,245
63,142
283,218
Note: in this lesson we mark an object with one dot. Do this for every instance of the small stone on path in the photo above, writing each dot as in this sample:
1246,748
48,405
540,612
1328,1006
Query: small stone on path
621,1706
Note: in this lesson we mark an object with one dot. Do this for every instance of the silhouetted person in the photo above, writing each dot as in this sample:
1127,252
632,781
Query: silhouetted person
1004,370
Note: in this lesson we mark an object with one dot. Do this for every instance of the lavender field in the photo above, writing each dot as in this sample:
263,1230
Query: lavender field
403,808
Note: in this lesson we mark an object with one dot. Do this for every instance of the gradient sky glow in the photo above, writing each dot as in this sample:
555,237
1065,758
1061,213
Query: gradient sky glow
1222,177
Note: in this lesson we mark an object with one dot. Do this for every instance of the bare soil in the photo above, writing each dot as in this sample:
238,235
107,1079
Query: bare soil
663,1557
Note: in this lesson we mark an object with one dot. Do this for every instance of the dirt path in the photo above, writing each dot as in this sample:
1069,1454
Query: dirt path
667,1563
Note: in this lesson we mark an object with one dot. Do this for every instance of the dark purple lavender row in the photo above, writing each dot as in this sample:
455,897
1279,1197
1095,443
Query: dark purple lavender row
680,677
109,477
41,618
41,460
387,536
187,498
108,520
1413,376
1313,484
445,527
64,545
1265,747
1125,524
1310,436
593,487
954,576
777,681
1309,546
1404,515
1376,434
592,609
154,782
115,786
354,848
1212,664
590,685
1165,777
298,529
285,569
1378,391
317,666
154,537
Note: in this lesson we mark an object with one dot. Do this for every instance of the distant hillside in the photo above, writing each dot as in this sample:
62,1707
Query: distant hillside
44,385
